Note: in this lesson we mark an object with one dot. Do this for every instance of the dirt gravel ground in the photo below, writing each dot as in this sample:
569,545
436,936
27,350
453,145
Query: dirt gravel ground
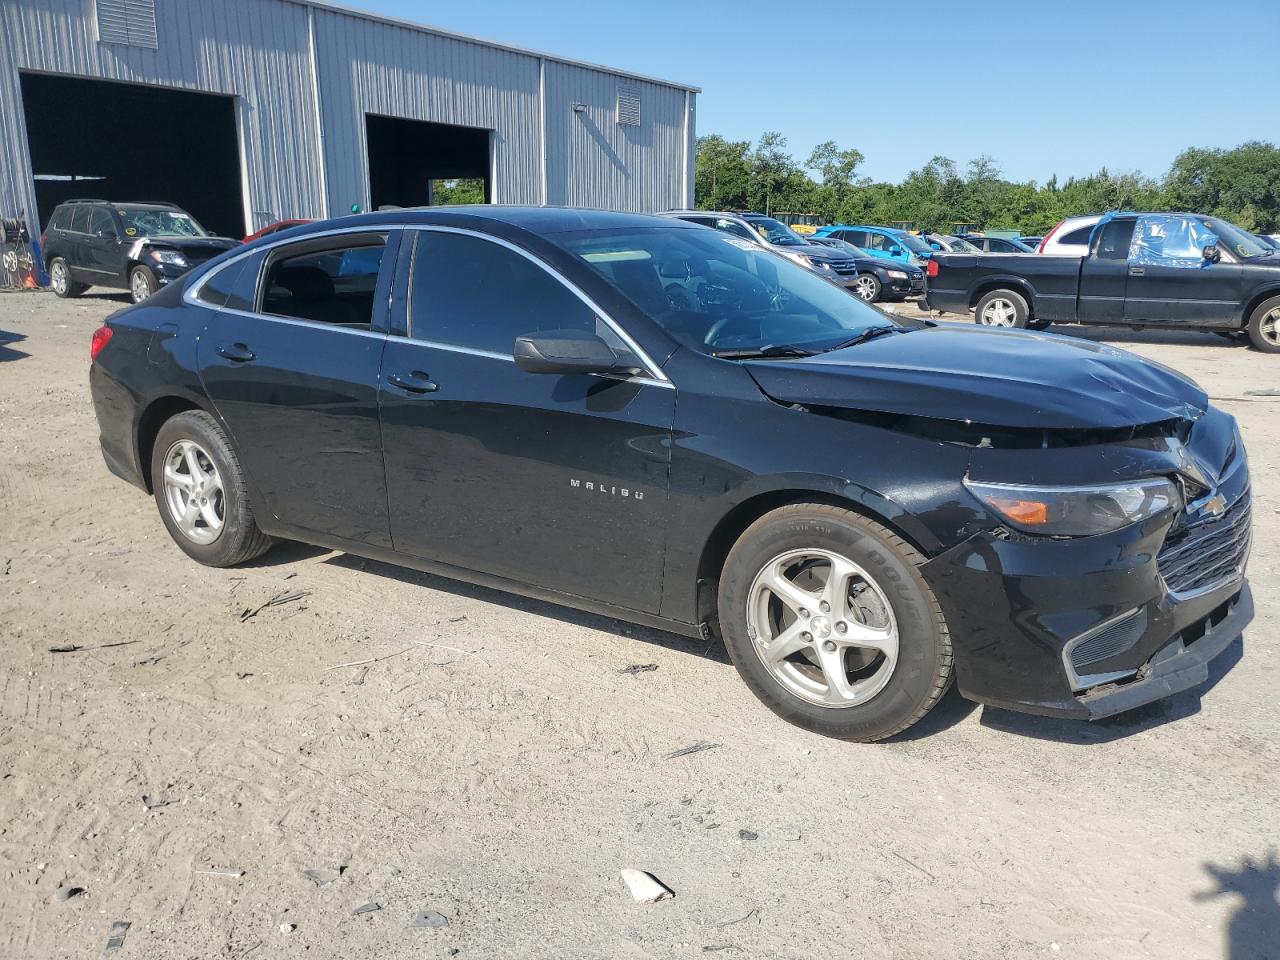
187,767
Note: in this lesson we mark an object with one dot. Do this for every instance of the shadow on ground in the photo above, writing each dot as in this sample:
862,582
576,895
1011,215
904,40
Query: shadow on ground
1253,933
7,352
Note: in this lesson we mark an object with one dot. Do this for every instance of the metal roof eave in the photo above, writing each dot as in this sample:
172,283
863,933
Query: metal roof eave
343,9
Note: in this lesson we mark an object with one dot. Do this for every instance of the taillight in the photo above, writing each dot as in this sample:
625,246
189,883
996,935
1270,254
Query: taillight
931,267
1049,236
101,337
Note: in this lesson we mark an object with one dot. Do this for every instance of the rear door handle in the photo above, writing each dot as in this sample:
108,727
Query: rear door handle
415,382
237,352
1137,271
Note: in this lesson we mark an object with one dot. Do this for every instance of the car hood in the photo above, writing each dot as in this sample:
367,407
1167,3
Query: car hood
192,246
872,263
1007,378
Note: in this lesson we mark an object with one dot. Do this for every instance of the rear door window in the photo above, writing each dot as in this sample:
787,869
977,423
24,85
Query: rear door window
80,219
1115,239
332,285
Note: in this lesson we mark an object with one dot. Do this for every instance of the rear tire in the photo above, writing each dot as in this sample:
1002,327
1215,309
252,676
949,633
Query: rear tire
200,489
862,658
1002,308
1264,326
142,283
60,279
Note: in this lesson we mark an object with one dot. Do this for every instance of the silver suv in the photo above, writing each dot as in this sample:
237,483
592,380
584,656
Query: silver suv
775,236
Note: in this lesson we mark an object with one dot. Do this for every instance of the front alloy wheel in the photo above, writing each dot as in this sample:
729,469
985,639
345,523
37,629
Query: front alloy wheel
867,287
830,623
1264,326
823,627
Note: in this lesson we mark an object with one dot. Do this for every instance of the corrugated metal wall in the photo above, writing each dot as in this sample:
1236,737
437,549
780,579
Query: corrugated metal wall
591,156
256,51
260,52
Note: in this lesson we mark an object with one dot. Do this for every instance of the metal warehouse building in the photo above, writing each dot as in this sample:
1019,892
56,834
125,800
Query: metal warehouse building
250,111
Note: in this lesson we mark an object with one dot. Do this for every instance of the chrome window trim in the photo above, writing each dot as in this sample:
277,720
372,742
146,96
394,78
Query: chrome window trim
656,376
189,295
295,321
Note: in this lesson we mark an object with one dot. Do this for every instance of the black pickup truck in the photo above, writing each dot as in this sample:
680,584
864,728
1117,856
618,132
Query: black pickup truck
1165,269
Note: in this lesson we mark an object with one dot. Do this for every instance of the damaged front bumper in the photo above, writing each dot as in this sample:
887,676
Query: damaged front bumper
1088,628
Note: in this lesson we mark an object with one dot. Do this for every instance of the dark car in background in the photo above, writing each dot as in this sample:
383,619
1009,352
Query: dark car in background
995,244
878,279
139,247
1139,269
862,508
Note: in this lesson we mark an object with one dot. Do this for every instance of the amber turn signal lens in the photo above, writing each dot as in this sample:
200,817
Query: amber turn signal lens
1030,513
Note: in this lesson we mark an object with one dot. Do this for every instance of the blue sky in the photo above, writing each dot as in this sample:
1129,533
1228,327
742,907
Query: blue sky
1043,86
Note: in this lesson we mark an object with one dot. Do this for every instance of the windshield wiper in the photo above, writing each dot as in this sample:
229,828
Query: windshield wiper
763,353
868,334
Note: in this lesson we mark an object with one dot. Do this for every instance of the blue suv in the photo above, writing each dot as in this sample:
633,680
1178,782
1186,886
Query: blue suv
883,242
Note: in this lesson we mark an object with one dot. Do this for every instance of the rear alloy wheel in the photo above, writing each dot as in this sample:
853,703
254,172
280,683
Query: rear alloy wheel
200,490
1002,308
142,284
1264,326
60,279
867,287
829,622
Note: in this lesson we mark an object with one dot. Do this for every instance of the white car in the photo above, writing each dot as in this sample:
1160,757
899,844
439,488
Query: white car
1070,238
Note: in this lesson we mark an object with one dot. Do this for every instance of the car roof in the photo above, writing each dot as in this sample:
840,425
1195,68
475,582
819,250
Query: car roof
538,220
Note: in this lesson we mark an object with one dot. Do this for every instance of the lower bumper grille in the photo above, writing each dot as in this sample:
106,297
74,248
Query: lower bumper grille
1208,554
1114,640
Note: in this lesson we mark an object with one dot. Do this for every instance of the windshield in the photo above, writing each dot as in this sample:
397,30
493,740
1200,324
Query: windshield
776,232
144,222
719,294
912,242
1240,242
960,245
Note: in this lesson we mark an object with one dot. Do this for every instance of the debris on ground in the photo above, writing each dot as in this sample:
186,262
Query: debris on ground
458,619
370,907
222,873
65,648
748,835
361,663
695,748
65,893
279,599
639,668
153,803
429,918
288,927
645,887
148,661
115,939
322,877
290,575
243,675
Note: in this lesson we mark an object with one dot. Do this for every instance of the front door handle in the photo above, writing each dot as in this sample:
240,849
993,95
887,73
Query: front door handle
1137,271
236,352
415,382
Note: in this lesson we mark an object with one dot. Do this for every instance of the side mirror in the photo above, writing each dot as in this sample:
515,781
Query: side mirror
1212,253
895,251
564,351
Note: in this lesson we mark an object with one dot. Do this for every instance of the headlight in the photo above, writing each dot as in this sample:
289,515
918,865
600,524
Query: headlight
168,256
896,274
1077,511
819,264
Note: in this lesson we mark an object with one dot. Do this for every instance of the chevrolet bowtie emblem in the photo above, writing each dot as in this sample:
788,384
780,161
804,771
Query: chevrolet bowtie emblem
1216,506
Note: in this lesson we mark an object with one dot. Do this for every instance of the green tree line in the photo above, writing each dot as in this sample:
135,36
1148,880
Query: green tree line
1241,185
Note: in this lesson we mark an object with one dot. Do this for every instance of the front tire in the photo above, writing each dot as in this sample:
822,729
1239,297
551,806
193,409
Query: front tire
142,283
1264,326
1002,308
60,279
830,624
866,286
200,489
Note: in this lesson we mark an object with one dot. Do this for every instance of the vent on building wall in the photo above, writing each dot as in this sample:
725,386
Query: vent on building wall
132,22
629,106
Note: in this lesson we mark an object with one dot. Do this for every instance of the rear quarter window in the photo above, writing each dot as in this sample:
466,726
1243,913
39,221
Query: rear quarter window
221,285
1077,237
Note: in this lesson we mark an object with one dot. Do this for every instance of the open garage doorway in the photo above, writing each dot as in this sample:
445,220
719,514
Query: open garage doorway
126,141
413,163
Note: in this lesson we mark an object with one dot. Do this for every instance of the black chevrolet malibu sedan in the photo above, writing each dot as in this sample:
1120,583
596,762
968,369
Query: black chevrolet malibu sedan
863,509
